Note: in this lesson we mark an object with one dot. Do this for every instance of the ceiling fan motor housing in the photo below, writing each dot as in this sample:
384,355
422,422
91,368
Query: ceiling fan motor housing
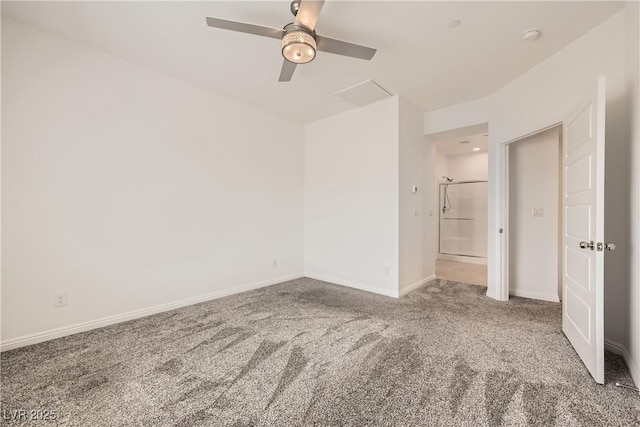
298,44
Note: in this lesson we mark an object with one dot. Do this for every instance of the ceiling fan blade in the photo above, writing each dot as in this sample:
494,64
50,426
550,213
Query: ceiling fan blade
339,47
308,13
287,71
243,27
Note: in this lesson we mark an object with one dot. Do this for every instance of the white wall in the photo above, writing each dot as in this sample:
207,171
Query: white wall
432,169
541,97
411,222
128,189
353,236
351,198
534,167
633,74
441,169
466,114
441,166
468,167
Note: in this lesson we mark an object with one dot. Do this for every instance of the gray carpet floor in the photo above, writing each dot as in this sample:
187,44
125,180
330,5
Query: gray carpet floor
307,352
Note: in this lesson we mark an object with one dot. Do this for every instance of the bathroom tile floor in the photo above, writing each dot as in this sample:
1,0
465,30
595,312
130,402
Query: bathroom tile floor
474,274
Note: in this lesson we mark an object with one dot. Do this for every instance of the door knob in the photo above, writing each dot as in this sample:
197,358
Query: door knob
587,245
609,246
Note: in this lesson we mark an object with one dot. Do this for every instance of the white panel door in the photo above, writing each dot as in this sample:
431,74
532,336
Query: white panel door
583,231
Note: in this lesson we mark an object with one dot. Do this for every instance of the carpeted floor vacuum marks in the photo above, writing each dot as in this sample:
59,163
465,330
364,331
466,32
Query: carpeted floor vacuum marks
310,353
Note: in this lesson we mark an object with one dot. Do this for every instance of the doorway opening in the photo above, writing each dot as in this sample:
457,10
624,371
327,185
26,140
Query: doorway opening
534,215
583,245
461,176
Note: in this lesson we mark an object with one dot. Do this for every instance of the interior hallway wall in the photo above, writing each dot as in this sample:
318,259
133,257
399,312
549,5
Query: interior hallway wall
430,207
363,221
413,266
351,224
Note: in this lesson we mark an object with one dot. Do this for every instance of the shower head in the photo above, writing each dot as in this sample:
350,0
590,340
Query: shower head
446,178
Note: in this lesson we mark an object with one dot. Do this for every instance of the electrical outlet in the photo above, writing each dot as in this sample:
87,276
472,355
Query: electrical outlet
538,212
386,271
60,299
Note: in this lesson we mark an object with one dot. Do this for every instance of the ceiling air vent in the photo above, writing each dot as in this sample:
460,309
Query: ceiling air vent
364,93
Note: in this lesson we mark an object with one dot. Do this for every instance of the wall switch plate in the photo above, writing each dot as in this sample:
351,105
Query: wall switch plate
414,188
60,299
537,212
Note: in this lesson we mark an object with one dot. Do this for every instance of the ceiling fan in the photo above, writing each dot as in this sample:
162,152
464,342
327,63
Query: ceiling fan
299,39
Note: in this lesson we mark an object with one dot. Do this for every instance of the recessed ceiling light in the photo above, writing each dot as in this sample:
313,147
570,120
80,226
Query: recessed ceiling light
531,34
455,23
476,148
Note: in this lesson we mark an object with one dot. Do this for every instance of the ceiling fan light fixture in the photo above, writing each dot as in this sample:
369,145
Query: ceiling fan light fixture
299,46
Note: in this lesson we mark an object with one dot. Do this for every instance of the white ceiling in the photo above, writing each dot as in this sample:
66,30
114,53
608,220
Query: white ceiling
419,56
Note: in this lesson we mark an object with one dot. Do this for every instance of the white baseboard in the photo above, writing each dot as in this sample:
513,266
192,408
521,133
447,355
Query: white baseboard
26,340
616,348
491,294
416,285
534,295
351,284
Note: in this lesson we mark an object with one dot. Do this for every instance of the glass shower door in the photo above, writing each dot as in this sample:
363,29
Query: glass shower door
463,218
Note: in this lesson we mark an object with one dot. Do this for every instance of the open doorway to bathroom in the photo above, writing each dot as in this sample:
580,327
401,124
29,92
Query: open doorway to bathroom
461,176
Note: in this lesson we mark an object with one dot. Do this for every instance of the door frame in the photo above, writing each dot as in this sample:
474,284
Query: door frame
501,292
